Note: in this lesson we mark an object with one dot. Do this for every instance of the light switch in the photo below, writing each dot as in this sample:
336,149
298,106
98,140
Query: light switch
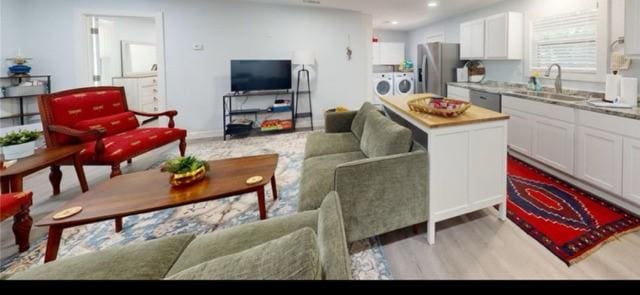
198,46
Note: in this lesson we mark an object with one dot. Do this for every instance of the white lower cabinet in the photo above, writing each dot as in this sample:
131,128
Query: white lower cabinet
520,136
458,93
553,143
631,170
599,159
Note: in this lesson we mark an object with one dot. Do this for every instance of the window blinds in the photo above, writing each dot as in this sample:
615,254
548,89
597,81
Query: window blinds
566,39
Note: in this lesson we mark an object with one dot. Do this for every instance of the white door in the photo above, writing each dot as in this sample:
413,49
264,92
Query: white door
599,159
465,41
376,53
477,39
496,43
553,143
631,173
520,134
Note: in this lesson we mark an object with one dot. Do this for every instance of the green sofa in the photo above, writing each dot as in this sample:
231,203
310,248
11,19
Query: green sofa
307,246
374,165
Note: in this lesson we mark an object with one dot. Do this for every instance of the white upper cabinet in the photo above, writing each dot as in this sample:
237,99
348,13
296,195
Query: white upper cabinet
496,37
472,40
632,28
388,53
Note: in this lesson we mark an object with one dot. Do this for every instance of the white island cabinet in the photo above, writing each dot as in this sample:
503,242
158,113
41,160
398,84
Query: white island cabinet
467,159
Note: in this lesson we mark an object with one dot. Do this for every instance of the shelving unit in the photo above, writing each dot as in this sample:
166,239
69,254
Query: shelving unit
229,112
13,81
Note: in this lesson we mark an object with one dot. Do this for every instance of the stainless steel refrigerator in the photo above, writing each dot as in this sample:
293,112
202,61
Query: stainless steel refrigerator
437,67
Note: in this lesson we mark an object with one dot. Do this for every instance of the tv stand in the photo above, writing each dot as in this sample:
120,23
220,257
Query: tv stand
228,112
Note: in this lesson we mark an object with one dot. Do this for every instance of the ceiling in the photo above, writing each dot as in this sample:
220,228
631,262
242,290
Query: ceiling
409,14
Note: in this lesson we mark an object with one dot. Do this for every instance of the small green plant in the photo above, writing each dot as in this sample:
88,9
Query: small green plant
19,137
181,165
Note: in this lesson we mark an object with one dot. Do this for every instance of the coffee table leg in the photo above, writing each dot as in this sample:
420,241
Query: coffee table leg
274,187
118,224
53,243
55,177
261,206
80,172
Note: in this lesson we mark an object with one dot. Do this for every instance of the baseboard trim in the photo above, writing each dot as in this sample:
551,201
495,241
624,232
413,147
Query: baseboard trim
609,197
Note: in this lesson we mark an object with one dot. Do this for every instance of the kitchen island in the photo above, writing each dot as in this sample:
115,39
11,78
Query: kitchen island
467,159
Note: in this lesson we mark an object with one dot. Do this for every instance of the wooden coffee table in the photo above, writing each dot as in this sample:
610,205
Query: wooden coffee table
13,176
148,191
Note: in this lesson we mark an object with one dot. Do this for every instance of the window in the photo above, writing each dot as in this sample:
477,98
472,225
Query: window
568,39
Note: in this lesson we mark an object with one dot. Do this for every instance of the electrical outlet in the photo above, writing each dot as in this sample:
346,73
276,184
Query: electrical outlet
198,47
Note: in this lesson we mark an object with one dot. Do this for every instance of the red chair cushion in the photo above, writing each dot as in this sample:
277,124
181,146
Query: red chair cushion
11,204
70,109
124,146
114,124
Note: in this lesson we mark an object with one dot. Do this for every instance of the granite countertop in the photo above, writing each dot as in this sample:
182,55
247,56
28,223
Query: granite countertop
510,88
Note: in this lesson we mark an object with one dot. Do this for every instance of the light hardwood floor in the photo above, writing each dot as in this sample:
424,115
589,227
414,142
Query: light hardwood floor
474,246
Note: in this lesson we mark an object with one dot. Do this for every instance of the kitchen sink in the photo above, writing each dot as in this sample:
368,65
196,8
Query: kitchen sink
556,96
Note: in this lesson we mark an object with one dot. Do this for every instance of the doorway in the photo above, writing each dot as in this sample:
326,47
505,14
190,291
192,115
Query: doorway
124,49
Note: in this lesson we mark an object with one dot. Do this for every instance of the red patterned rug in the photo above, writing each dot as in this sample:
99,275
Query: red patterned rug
571,223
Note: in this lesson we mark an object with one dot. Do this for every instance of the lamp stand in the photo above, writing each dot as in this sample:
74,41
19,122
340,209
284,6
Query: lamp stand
310,113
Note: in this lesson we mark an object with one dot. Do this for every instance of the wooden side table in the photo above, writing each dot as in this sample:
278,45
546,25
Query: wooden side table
12,177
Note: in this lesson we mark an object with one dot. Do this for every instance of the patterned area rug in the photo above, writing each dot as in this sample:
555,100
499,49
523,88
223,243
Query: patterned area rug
569,222
367,258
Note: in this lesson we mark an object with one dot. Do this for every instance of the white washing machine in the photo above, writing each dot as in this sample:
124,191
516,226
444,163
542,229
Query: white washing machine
382,85
403,83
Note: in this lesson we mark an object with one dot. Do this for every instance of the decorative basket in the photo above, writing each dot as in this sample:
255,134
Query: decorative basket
189,177
440,107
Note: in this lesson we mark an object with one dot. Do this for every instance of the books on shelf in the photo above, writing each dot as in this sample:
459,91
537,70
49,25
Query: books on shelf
276,125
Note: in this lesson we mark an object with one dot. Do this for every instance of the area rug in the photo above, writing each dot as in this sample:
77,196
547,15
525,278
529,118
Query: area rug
367,258
569,222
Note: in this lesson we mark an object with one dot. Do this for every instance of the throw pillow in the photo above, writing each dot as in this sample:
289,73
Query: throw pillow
382,137
357,125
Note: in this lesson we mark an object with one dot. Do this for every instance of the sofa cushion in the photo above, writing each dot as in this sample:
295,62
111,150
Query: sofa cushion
332,240
321,144
383,137
123,146
113,124
239,238
144,261
68,109
318,178
357,126
291,257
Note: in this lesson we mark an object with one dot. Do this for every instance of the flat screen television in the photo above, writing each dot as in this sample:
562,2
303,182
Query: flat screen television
257,75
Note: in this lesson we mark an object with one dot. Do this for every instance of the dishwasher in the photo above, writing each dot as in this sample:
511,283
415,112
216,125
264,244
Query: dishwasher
486,100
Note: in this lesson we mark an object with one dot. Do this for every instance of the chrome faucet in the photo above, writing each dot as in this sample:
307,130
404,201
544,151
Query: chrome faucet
558,77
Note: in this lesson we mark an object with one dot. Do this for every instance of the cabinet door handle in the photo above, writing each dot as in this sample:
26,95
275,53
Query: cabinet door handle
482,97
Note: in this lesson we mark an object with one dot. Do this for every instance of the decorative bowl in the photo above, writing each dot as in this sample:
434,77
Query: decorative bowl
443,107
189,177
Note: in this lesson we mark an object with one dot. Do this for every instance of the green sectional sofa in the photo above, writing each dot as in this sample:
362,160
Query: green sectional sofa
307,246
373,163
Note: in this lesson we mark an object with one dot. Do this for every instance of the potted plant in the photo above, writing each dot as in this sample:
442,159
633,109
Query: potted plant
19,144
185,170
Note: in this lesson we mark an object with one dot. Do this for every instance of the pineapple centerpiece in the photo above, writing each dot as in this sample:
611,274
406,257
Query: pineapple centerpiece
185,170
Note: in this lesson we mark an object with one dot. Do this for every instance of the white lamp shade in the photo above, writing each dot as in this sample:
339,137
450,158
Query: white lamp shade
304,57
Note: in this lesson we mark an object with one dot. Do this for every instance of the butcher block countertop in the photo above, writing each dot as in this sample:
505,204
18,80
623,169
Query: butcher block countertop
473,115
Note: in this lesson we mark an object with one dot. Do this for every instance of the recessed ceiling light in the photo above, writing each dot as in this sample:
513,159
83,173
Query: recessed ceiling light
432,4
395,22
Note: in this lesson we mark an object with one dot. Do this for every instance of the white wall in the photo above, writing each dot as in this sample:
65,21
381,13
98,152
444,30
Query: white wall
196,80
514,71
391,36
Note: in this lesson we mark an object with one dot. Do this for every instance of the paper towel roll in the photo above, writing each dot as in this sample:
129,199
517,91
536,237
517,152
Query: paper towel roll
629,91
612,91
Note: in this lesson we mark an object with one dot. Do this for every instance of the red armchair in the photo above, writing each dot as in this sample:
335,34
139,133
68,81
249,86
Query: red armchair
99,118
17,205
